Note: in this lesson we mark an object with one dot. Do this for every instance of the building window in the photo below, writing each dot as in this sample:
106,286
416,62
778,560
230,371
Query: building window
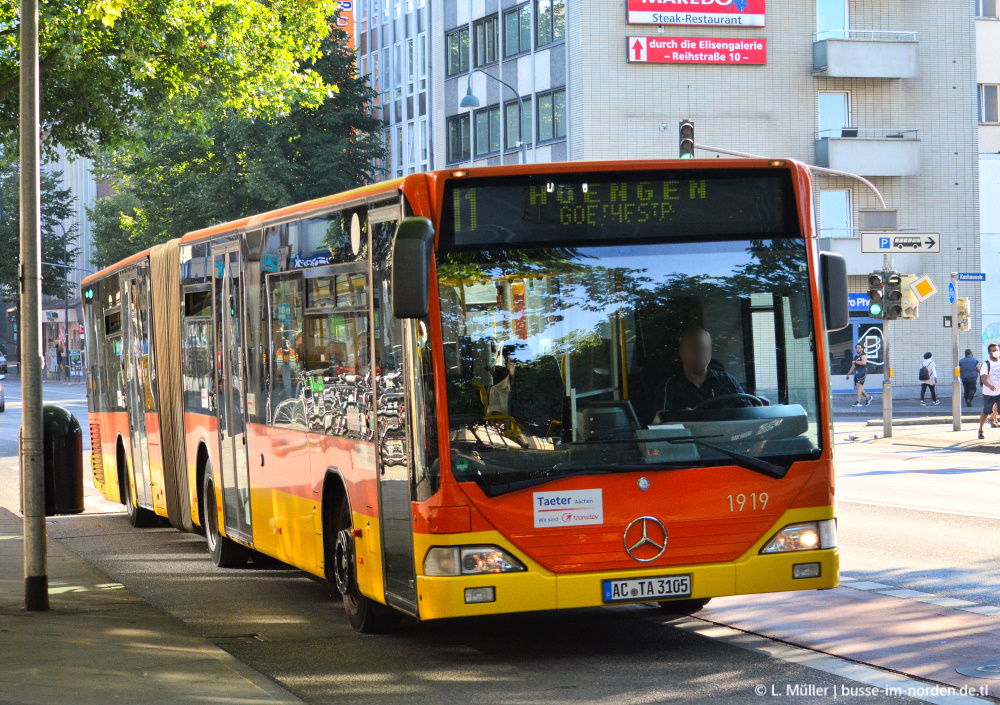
487,131
487,40
457,44
458,139
988,103
514,124
517,31
834,114
986,8
551,21
832,17
835,213
552,116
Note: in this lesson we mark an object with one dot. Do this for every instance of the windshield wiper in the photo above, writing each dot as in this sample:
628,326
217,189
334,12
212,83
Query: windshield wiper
742,459
566,470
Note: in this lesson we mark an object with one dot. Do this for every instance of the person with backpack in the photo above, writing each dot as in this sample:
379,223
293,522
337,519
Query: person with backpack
968,372
859,366
928,378
990,377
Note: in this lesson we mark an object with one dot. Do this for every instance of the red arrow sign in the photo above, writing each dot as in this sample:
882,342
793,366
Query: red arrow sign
639,47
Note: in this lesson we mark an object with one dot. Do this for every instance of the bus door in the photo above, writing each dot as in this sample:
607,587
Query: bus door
230,376
135,371
392,430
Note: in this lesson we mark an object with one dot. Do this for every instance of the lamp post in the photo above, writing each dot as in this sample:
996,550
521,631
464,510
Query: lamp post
471,101
65,355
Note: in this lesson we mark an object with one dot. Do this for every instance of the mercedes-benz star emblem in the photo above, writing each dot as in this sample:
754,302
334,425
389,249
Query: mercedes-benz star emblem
645,539
643,483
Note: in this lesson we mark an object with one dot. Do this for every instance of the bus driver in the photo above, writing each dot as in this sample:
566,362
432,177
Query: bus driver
697,382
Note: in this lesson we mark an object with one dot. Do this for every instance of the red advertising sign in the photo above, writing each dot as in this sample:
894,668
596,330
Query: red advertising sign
697,50
345,19
701,13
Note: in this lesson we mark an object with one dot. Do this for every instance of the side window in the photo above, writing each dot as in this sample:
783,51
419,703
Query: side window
336,370
198,379
285,302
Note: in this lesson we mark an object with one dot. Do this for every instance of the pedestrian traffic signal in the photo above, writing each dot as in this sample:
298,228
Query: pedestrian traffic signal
88,294
687,139
875,295
893,297
964,314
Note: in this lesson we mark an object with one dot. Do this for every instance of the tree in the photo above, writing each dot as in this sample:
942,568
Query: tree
104,61
57,205
181,176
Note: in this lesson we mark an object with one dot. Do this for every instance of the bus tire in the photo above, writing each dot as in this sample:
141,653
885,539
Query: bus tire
365,614
225,552
683,608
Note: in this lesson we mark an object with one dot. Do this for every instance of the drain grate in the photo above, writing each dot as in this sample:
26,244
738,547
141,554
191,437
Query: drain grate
984,669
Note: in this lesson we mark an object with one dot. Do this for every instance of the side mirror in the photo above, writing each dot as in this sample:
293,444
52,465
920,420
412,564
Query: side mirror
833,279
412,257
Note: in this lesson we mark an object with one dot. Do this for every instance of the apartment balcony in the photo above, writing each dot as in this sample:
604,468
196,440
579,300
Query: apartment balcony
869,152
853,53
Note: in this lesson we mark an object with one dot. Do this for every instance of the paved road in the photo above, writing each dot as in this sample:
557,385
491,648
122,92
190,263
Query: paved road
72,397
919,518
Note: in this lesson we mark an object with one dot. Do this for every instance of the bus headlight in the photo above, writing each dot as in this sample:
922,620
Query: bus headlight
470,560
806,536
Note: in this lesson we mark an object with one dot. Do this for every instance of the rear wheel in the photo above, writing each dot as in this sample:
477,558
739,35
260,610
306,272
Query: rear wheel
226,553
683,608
365,614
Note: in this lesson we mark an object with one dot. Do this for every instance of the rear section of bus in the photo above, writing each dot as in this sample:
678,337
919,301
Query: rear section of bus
630,389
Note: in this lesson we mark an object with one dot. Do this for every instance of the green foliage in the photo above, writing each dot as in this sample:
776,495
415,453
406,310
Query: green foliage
104,61
184,176
57,204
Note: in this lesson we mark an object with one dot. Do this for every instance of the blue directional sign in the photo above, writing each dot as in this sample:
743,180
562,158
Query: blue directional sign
951,292
859,302
972,276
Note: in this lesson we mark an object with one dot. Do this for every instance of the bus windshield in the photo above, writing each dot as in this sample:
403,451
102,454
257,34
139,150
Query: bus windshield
586,357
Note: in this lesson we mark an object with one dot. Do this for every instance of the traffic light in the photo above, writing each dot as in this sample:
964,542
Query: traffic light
88,295
911,304
964,314
687,139
893,306
876,296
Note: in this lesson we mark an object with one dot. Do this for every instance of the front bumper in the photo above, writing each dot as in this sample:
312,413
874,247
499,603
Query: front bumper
539,589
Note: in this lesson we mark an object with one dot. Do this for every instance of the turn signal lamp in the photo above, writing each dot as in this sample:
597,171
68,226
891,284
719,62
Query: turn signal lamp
470,560
806,536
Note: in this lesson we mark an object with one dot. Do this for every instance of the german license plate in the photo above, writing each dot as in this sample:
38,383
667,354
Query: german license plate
666,587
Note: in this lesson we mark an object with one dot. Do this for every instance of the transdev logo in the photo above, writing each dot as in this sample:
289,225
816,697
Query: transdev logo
568,508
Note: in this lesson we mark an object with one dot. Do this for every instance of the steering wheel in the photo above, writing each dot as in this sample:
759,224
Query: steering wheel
727,399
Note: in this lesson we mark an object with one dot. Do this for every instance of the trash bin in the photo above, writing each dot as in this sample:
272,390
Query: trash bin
63,460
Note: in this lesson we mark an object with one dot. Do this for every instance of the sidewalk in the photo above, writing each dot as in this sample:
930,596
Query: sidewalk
930,434
101,644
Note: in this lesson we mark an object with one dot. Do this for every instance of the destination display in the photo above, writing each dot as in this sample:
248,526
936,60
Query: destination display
698,13
573,207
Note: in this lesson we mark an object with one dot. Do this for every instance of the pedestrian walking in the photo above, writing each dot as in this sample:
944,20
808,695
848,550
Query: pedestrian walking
968,372
859,366
928,378
990,377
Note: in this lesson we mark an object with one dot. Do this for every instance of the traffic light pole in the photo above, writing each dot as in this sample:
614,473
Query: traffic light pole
956,384
886,368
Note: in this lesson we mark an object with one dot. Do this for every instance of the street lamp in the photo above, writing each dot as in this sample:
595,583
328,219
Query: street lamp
471,101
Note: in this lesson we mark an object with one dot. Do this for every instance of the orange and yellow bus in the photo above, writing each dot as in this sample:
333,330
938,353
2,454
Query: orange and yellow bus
488,390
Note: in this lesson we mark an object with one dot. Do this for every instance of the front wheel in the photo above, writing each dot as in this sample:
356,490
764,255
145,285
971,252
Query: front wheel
226,553
365,614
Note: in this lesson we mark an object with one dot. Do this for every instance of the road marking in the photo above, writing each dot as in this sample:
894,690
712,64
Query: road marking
869,585
918,509
822,661
918,596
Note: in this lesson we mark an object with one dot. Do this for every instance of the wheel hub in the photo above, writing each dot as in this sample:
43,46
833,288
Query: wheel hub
343,571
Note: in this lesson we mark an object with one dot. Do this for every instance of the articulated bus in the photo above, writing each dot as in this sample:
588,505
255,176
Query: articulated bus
488,390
